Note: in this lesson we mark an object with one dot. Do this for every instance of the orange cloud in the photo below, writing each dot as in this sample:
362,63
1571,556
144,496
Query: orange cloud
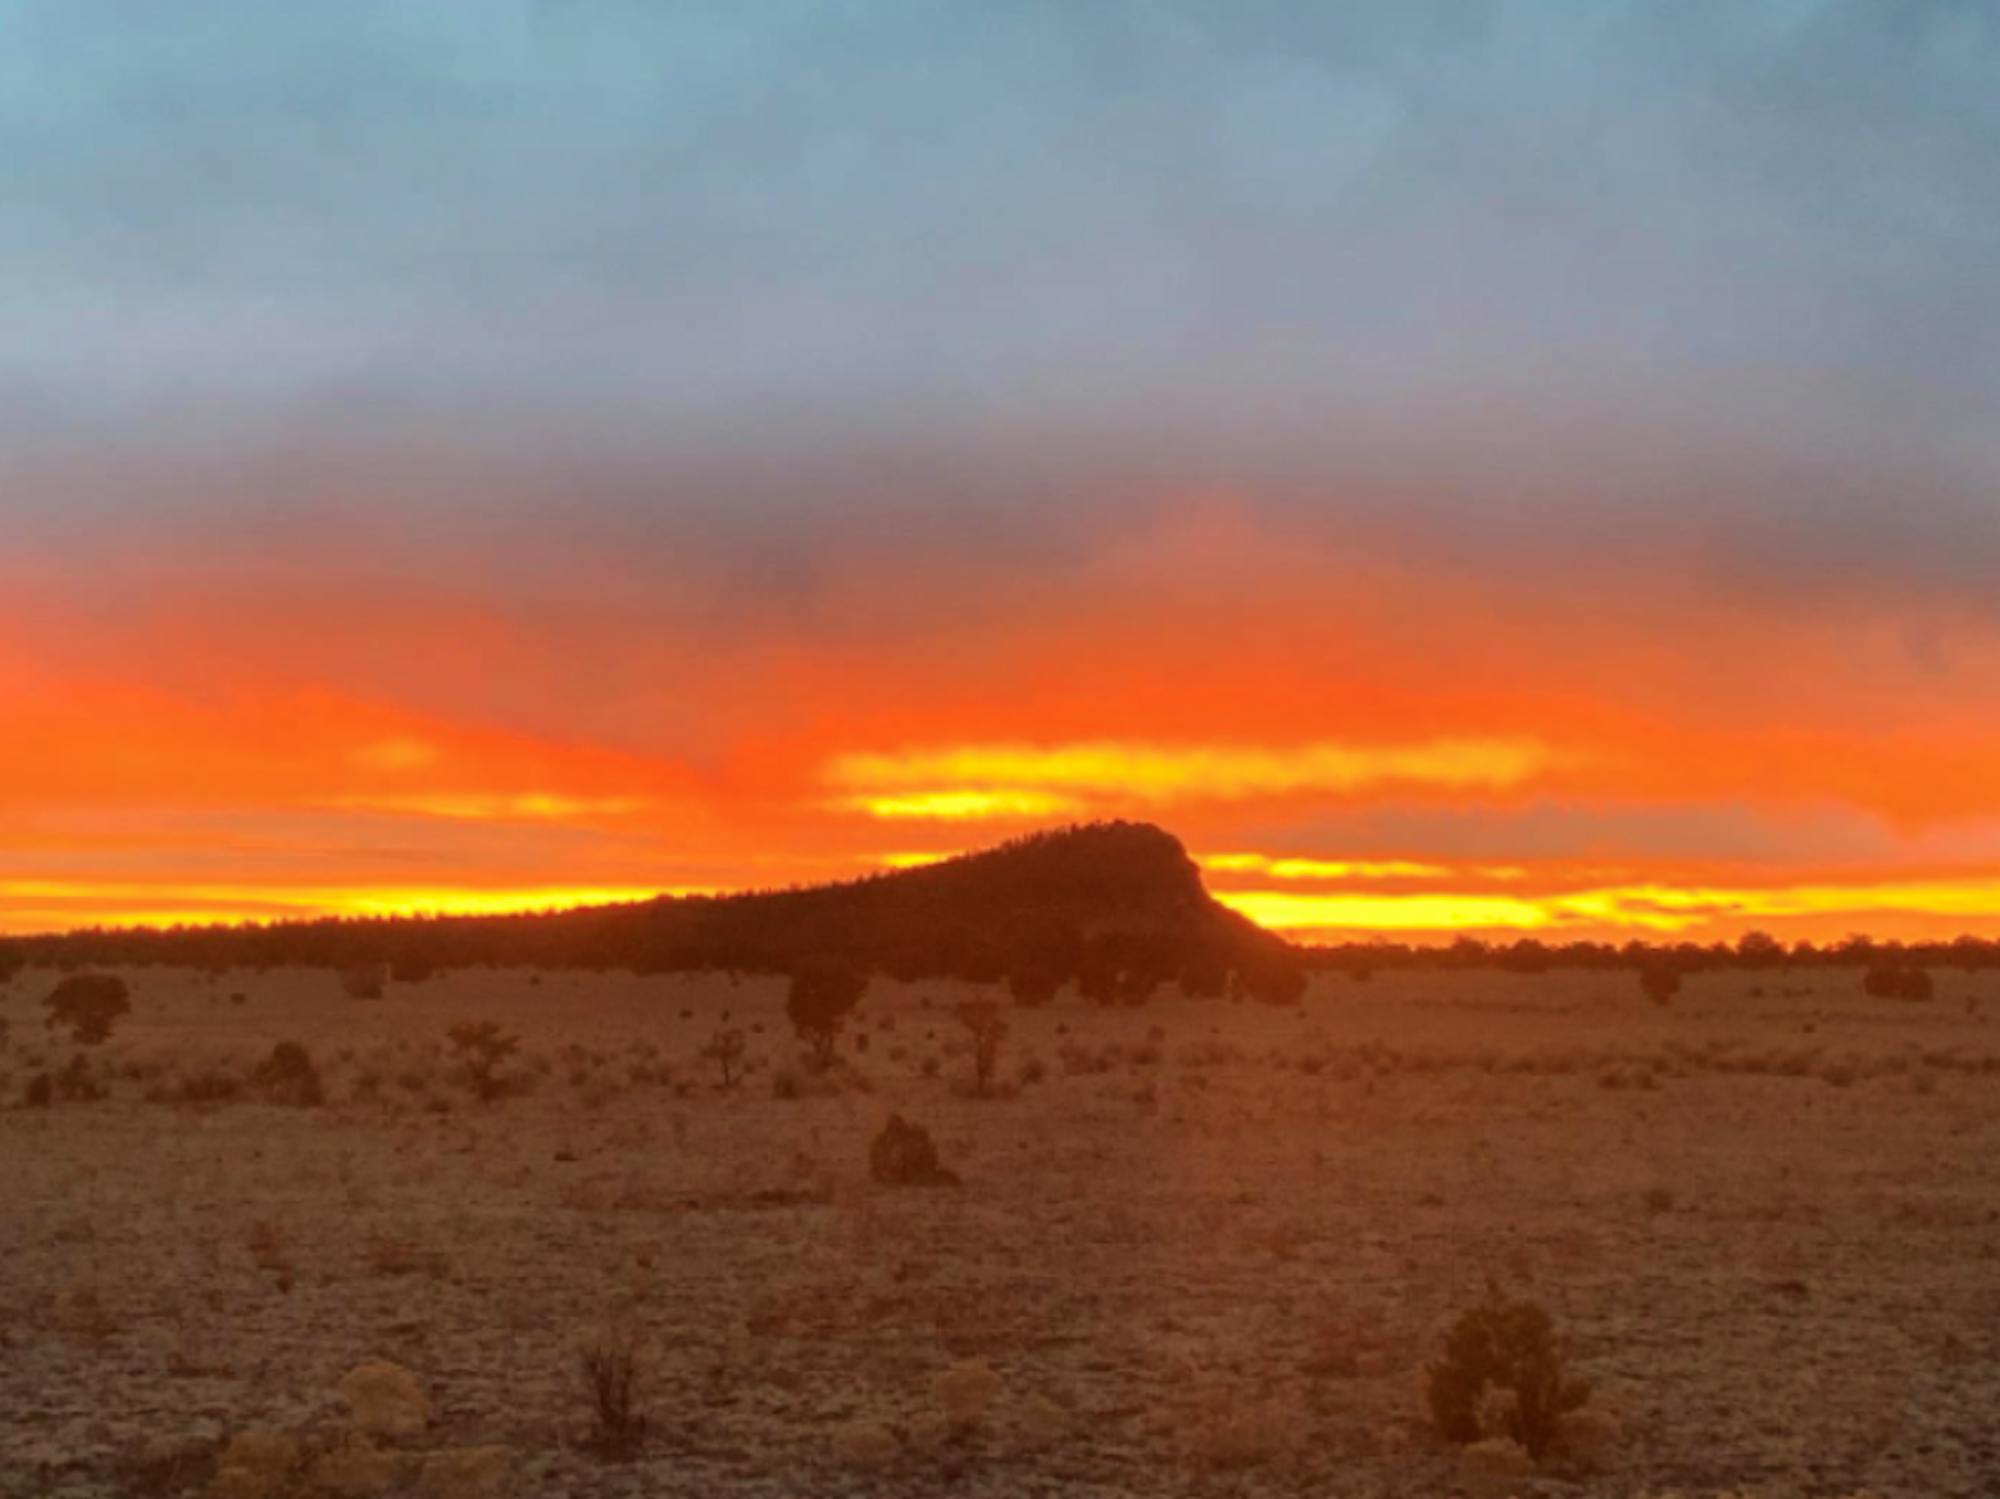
1012,780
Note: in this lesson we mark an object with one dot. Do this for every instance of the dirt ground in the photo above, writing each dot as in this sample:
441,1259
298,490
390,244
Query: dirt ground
1200,1246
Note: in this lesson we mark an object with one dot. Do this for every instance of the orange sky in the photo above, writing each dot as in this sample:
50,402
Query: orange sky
1352,744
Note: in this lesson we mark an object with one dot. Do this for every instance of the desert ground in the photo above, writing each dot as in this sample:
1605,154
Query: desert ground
1198,1246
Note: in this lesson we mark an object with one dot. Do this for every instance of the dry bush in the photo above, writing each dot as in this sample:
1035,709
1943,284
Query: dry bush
1231,1428
1659,983
483,1048
610,1370
982,1018
288,1076
1885,982
1503,1374
364,980
903,1155
725,1049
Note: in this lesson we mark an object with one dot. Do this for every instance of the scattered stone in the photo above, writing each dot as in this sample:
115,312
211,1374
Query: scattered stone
1494,1467
384,1400
965,1390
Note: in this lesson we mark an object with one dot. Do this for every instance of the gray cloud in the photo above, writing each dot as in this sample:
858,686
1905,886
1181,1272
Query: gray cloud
1533,280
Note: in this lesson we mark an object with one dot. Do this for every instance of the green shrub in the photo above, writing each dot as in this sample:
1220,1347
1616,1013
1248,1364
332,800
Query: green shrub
1506,1349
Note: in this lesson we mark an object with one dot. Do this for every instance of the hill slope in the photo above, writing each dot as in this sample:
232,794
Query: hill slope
1103,903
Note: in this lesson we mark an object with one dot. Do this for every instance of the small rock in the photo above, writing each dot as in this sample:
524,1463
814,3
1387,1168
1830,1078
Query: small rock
1494,1467
384,1400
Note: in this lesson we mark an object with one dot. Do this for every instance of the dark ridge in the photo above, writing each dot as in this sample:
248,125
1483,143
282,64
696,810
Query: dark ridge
1115,906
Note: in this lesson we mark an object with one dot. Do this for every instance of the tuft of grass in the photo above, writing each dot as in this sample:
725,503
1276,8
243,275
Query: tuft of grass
610,1370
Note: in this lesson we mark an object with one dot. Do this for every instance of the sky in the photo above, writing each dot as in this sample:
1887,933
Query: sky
1512,468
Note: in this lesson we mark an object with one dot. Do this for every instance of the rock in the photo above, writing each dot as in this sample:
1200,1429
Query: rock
866,1444
468,1472
357,1468
256,1463
1494,1467
965,1390
384,1400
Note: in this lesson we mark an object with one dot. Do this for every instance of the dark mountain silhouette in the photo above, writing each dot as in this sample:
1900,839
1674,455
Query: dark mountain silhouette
1116,906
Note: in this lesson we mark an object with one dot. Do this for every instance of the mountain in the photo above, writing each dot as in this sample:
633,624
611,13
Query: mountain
1114,906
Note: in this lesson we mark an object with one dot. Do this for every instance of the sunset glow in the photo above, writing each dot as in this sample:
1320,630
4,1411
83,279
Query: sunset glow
1455,482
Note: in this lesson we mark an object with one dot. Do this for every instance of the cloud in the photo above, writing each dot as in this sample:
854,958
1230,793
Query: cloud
1013,779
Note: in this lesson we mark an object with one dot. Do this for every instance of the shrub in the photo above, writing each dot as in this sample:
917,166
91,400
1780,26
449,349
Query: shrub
1899,983
75,1083
288,1076
610,1369
725,1049
982,1018
822,993
1033,983
364,980
1275,978
412,968
482,1047
89,1004
1659,983
1502,1375
902,1155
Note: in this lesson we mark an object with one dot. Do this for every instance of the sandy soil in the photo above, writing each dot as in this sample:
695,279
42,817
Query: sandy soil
1210,1249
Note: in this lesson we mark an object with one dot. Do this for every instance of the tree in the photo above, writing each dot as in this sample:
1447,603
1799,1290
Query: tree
1759,950
1659,982
1273,978
89,1004
1035,980
364,980
982,1018
823,992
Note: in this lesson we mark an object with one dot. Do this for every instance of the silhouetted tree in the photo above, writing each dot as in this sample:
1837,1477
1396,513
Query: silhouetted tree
89,1005
822,993
982,1018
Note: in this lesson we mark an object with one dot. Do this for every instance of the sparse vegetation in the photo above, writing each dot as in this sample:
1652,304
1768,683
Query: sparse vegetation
1503,1375
483,1048
821,995
1659,982
1913,984
364,980
610,1370
982,1018
88,1005
725,1048
902,1155
288,1076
